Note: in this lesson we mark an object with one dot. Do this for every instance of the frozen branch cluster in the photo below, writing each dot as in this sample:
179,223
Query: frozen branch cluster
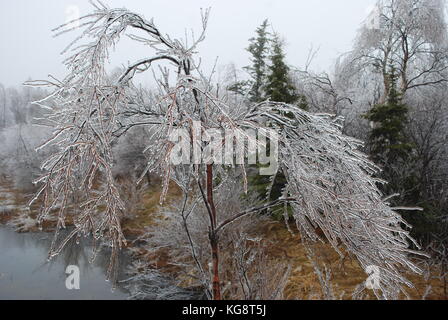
248,273
330,184
333,189
148,284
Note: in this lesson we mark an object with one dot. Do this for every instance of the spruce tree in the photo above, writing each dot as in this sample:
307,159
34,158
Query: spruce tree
391,148
259,49
279,87
388,141
269,82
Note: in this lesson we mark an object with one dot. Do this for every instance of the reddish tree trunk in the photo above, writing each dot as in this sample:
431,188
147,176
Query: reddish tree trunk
216,280
213,236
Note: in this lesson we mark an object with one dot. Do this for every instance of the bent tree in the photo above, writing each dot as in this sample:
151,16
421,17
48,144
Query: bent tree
330,183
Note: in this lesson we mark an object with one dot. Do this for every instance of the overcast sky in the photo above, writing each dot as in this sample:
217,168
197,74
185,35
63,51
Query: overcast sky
28,49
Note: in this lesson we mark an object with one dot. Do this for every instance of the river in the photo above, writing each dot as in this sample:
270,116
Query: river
25,273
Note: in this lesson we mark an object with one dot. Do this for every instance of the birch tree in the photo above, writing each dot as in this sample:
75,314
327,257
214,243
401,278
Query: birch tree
410,36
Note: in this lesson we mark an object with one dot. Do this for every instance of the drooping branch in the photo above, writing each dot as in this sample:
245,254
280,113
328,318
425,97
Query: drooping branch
330,183
131,70
261,208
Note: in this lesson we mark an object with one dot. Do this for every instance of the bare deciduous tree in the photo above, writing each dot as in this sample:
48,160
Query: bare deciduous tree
411,36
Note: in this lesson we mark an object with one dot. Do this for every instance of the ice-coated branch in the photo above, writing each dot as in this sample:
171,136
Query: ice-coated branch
330,183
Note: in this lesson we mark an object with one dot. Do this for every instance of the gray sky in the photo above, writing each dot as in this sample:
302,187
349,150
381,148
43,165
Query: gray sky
28,49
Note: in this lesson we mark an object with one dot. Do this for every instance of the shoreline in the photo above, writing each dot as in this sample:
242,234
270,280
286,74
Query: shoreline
303,283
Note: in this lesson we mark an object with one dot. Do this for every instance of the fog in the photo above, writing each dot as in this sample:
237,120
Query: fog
30,51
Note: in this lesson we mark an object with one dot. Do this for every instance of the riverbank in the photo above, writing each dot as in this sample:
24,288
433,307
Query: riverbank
282,246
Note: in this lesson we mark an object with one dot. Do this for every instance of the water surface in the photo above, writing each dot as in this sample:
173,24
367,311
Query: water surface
25,273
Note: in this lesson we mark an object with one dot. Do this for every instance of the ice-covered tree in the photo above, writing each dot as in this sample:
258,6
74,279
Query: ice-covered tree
411,36
329,181
408,35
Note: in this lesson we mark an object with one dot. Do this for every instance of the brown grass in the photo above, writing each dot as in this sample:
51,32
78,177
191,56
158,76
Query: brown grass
303,282
149,210
346,273
17,199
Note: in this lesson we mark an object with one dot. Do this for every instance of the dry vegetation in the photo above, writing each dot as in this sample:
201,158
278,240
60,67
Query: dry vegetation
345,273
282,246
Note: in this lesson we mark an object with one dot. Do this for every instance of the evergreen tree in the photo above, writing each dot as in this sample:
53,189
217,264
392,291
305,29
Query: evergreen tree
388,142
258,48
279,87
239,87
392,150
269,82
